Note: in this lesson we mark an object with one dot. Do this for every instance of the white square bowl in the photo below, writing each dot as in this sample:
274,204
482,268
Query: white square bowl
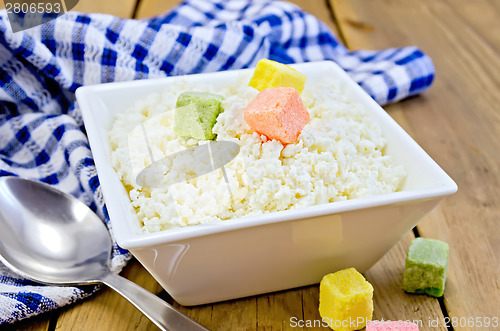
259,254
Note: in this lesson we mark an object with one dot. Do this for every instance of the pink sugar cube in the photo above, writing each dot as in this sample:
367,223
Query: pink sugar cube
277,113
391,326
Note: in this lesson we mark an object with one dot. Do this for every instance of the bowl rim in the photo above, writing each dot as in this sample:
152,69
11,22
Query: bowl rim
128,240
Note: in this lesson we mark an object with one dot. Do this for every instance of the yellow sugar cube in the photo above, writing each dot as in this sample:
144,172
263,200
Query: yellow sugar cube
345,300
271,74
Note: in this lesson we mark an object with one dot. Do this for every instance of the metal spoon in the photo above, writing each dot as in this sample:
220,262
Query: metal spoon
51,237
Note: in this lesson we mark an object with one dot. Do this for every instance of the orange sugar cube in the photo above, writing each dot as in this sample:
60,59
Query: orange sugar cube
277,113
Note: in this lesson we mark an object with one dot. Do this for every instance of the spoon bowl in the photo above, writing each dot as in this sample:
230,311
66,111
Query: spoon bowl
53,238
49,236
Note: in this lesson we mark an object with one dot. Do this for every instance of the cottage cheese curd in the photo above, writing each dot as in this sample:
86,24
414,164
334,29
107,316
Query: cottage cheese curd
338,156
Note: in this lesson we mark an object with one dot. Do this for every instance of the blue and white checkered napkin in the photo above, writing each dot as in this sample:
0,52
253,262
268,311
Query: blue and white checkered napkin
41,130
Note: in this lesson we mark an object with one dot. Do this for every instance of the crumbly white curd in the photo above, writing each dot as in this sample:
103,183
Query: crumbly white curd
338,156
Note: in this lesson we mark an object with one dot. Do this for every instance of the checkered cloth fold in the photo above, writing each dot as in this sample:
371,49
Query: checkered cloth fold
41,131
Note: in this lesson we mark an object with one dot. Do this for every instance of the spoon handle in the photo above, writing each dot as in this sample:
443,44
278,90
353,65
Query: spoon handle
157,310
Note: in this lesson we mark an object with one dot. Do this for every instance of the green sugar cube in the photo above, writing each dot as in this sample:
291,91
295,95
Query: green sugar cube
196,113
426,267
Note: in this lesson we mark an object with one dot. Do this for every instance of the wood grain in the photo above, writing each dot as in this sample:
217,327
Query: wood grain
457,122
148,8
121,8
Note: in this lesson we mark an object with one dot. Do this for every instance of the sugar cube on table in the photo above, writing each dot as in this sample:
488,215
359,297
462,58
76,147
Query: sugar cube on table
426,267
196,114
391,326
345,300
277,113
270,74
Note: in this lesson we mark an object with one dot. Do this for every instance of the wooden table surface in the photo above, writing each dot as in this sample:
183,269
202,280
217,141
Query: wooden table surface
457,122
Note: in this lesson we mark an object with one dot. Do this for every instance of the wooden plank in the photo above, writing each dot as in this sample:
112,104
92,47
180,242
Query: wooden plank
275,310
122,8
107,310
148,8
230,315
481,18
457,122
